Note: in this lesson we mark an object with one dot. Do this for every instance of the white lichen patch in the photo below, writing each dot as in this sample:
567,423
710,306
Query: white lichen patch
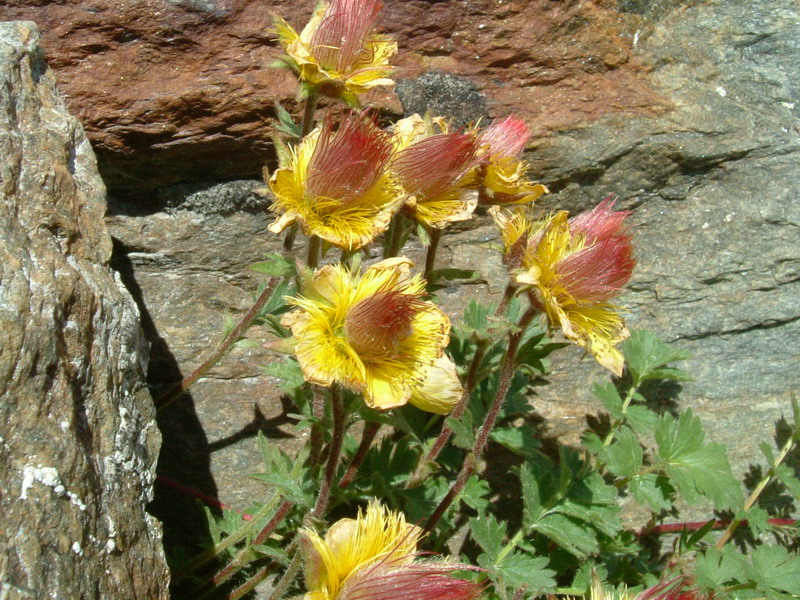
49,477
76,548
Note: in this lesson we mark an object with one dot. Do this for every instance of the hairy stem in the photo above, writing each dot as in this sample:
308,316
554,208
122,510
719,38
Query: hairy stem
308,114
367,437
334,453
250,584
287,578
318,410
446,432
506,375
179,388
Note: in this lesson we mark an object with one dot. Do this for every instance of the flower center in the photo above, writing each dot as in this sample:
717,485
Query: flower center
377,325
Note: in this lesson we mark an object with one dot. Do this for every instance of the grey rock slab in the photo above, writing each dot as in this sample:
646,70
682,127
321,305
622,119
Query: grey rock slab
78,440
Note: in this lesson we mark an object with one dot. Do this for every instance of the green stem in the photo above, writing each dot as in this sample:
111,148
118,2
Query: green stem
470,462
236,333
618,423
430,257
734,524
308,114
396,231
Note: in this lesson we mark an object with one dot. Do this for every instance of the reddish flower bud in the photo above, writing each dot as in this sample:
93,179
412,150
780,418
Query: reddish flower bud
506,137
339,39
436,164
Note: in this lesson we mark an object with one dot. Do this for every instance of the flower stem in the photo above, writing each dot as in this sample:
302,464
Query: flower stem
308,114
179,388
250,584
318,411
470,462
397,229
287,578
334,453
367,437
288,240
446,432
312,259
734,524
430,257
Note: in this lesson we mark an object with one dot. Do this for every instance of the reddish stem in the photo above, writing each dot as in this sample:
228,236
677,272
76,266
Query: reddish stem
697,525
199,495
370,431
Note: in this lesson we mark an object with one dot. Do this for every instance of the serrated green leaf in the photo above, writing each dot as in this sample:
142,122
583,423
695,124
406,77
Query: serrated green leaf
287,486
519,440
696,468
609,396
520,570
489,533
775,568
288,372
766,449
531,498
275,554
463,434
276,265
641,419
575,538
785,475
645,353
476,493
624,457
476,315
652,490
423,235
714,569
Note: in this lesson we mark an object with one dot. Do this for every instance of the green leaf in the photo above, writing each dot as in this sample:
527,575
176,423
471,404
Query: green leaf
641,419
785,474
463,434
476,315
624,457
276,266
531,498
609,396
714,569
286,124
519,440
288,372
645,356
575,538
520,570
423,235
489,533
653,490
275,554
476,493
288,487
774,568
696,469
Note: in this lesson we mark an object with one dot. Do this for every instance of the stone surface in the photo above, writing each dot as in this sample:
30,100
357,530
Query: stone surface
180,91
77,436
710,175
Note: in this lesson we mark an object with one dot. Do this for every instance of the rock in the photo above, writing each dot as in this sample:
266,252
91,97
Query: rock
173,92
77,434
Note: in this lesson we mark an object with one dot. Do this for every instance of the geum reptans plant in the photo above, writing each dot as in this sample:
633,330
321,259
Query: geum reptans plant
336,183
374,333
338,54
572,269
502,176
377,332
374,557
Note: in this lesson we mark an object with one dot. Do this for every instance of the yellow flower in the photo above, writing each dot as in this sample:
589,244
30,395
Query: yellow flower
574,267
337,54
441,390
372,558
504,180
336,184
372,333
435,170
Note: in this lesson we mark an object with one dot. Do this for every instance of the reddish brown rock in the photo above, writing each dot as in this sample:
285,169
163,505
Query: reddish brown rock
174,90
